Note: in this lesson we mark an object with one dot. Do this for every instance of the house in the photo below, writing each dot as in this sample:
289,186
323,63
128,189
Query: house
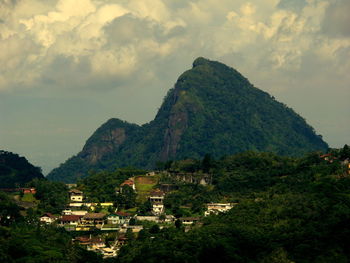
147,218
83,228
169,218
96,243
328,157
157,196
216,208
79,212
67,212
189,220
70,220
124,217
76,195
76,205
346,165
47,218
93,219
157,208
108,252
130,182
121,241
79,205
91,243
83,241
135,229
113,219
28,190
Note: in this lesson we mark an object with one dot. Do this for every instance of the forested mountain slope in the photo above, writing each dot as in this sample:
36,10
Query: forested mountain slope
212,109
16,171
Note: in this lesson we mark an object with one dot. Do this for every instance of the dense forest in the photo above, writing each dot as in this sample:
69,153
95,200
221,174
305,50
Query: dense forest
16,171
288,209
212,109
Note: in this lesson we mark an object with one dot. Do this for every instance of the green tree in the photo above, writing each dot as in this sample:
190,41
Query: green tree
127,197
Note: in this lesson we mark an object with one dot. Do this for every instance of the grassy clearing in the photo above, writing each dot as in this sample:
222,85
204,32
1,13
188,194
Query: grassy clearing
28,198
131,210
144,185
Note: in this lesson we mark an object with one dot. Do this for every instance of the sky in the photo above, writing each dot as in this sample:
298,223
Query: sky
67,66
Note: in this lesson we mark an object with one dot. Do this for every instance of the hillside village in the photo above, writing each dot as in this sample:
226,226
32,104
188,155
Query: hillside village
128,214
85,219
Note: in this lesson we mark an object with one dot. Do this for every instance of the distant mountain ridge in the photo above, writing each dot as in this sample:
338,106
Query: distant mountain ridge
211,109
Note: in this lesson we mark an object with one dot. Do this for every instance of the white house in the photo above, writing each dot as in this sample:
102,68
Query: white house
70,220
215,208
189,220
113,219
157,208
76,195
48,218
79,212
157,196
147,218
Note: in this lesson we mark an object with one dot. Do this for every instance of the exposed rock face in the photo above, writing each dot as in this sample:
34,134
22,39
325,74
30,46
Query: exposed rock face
109,142
177,125
212,109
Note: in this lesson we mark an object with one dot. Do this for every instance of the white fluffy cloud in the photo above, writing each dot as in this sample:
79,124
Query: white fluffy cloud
103,53
116,39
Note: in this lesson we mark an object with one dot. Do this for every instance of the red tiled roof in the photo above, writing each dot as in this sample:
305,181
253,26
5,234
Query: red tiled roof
82,239
123,213
70,218
88,240
48,215
128,182
157,193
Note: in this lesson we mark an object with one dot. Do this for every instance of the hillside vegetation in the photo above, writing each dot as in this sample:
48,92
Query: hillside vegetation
16,171
212,109
289,210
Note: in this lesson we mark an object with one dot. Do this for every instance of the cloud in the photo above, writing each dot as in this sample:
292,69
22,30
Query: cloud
113,41
337,19
86,43
293,5
91,60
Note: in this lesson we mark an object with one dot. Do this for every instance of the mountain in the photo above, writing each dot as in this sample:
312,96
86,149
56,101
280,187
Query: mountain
211,109
16,171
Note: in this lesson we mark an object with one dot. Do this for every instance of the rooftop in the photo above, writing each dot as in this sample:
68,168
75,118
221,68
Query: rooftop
123,214
94,216
70,218
75,191
157,193
189,218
